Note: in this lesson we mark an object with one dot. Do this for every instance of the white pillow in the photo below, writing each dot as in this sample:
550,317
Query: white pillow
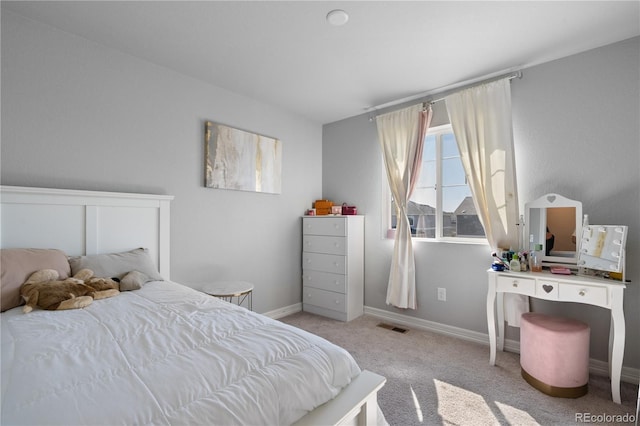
116,265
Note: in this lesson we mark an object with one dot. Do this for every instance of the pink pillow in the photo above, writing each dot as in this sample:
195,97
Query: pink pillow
17,265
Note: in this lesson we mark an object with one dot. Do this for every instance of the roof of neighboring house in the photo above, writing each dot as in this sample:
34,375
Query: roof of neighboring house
418,209
466,207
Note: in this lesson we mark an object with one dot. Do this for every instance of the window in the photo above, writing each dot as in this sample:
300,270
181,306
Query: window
441,206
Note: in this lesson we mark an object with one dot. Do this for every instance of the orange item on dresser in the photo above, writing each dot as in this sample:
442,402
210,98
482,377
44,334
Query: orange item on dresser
323,207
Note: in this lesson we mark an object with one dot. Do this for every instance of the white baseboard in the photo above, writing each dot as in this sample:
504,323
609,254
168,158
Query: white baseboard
597,367
283,312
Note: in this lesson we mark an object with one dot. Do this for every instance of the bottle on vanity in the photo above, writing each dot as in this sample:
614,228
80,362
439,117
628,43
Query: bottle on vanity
535,258
514,265
524,262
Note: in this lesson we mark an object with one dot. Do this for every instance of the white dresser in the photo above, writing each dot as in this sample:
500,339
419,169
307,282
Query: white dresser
333,266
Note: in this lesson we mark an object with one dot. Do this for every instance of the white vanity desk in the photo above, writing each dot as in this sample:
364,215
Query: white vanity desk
562,288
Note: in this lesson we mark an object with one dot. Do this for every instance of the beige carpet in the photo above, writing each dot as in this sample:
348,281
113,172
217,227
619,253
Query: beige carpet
434,379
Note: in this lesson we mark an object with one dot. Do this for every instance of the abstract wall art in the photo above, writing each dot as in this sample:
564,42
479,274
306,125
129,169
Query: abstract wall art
241,160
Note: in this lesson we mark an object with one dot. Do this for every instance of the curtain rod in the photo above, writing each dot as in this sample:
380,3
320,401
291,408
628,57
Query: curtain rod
511,77
462,85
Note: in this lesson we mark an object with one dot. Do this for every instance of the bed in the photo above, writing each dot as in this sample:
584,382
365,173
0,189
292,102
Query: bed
162,353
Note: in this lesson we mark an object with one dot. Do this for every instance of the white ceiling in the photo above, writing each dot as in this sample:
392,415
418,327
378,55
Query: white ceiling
284,53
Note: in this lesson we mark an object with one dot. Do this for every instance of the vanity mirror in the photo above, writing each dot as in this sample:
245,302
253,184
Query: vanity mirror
554,222
602,247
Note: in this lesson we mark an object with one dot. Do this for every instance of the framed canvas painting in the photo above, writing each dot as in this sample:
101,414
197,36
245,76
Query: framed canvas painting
240,160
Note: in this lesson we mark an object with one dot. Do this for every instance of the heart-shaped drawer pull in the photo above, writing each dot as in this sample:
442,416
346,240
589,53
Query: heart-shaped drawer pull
548,288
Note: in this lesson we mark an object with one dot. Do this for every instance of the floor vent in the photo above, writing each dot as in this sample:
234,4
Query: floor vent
393,328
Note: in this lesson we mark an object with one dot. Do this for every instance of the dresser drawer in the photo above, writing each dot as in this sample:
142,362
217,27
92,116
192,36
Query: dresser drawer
324,263
325,281
518,285
322,244
584,294
324,299
334,226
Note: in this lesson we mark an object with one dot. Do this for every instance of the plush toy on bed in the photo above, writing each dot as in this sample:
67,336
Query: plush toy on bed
44,289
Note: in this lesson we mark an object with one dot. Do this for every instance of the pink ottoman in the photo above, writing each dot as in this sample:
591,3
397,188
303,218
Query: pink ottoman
554,354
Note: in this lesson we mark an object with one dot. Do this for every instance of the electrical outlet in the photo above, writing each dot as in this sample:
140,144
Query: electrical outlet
442,294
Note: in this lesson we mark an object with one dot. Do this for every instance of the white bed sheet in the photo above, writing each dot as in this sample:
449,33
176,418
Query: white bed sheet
165,354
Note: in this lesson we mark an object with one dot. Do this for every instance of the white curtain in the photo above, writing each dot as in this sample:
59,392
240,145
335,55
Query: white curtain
401,136
481,121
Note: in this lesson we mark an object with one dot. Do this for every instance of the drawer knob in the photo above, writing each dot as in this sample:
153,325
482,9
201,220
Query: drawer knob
515,284
548,288
337,302
582,292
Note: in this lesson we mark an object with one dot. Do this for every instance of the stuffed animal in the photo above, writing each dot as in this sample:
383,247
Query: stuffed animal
102,287
44,289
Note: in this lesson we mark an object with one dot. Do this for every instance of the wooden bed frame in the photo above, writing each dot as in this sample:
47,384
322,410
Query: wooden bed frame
91,222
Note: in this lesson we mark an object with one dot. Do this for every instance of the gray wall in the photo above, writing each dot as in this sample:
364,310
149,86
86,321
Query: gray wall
576,132
82,116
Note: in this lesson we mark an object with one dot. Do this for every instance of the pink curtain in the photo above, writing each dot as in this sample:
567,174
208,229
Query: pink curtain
425,122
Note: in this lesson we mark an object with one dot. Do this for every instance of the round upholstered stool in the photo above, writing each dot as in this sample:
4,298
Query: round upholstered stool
554,354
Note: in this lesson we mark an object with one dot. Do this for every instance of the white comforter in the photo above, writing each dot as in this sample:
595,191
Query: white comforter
165,354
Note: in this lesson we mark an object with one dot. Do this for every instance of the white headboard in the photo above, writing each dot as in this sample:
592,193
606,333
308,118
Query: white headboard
86,222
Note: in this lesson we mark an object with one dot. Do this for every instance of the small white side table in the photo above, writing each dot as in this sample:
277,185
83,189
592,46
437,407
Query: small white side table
227,290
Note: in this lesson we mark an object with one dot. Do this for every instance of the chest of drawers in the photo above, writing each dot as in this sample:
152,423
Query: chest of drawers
333,266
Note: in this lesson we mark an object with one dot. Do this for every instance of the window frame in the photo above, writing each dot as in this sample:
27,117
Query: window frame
388,232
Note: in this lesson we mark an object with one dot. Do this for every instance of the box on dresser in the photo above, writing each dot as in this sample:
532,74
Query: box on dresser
333,266
349,210
323,207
